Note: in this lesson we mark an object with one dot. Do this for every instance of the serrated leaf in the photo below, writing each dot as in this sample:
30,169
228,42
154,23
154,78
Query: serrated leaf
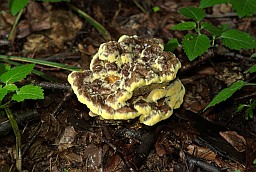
193,13
210,3
226,93
3,93
195,45
236,39
28,92
11,87
171,45
184,26
244,7
16,5
251,69
217,31
16,74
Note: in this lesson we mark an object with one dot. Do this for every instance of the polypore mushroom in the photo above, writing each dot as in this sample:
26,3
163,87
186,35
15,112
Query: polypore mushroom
130,78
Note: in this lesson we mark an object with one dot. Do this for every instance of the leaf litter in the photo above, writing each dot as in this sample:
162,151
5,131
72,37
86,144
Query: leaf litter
71,140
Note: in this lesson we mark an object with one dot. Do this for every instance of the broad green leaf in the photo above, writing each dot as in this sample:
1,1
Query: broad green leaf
184,26
17,73
171,45
28,92
193,13
226,93
11,87
235,39
195,45
217,31
244,7
16,5
3,93
210,3
251,69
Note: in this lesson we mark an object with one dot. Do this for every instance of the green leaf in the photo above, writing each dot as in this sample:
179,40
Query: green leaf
244,7
217,31
248,113
235,39
184,26
226,93
155,9
251,69
210,3
11,87
171,45
193,13
17,73
195,45
16,5
3,93
28,92
240,107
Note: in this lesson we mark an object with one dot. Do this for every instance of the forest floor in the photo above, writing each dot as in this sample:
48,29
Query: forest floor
59,135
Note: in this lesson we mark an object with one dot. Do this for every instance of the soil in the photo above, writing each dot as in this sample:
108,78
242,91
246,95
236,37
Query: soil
59,135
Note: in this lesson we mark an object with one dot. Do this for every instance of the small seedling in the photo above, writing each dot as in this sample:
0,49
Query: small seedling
9,92
228,92
203,35
249,109
9,76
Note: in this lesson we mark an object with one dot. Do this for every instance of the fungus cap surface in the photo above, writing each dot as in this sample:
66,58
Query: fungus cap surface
130,78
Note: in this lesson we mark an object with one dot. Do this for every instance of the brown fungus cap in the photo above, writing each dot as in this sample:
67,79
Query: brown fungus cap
130,78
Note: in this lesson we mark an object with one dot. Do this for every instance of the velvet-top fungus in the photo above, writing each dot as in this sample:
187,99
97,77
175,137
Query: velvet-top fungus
130,78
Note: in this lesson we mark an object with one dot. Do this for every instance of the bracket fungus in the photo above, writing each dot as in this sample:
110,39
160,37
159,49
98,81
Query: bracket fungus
130,78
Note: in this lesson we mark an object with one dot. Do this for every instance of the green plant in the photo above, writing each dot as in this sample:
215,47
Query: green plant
9,92
249,109
228,92
198,42
9,76
155,9
243,8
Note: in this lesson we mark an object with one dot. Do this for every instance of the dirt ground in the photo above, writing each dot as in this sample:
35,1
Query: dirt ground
59,135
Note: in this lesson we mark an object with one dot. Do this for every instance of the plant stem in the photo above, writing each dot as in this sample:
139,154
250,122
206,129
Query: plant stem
17,136
11,35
